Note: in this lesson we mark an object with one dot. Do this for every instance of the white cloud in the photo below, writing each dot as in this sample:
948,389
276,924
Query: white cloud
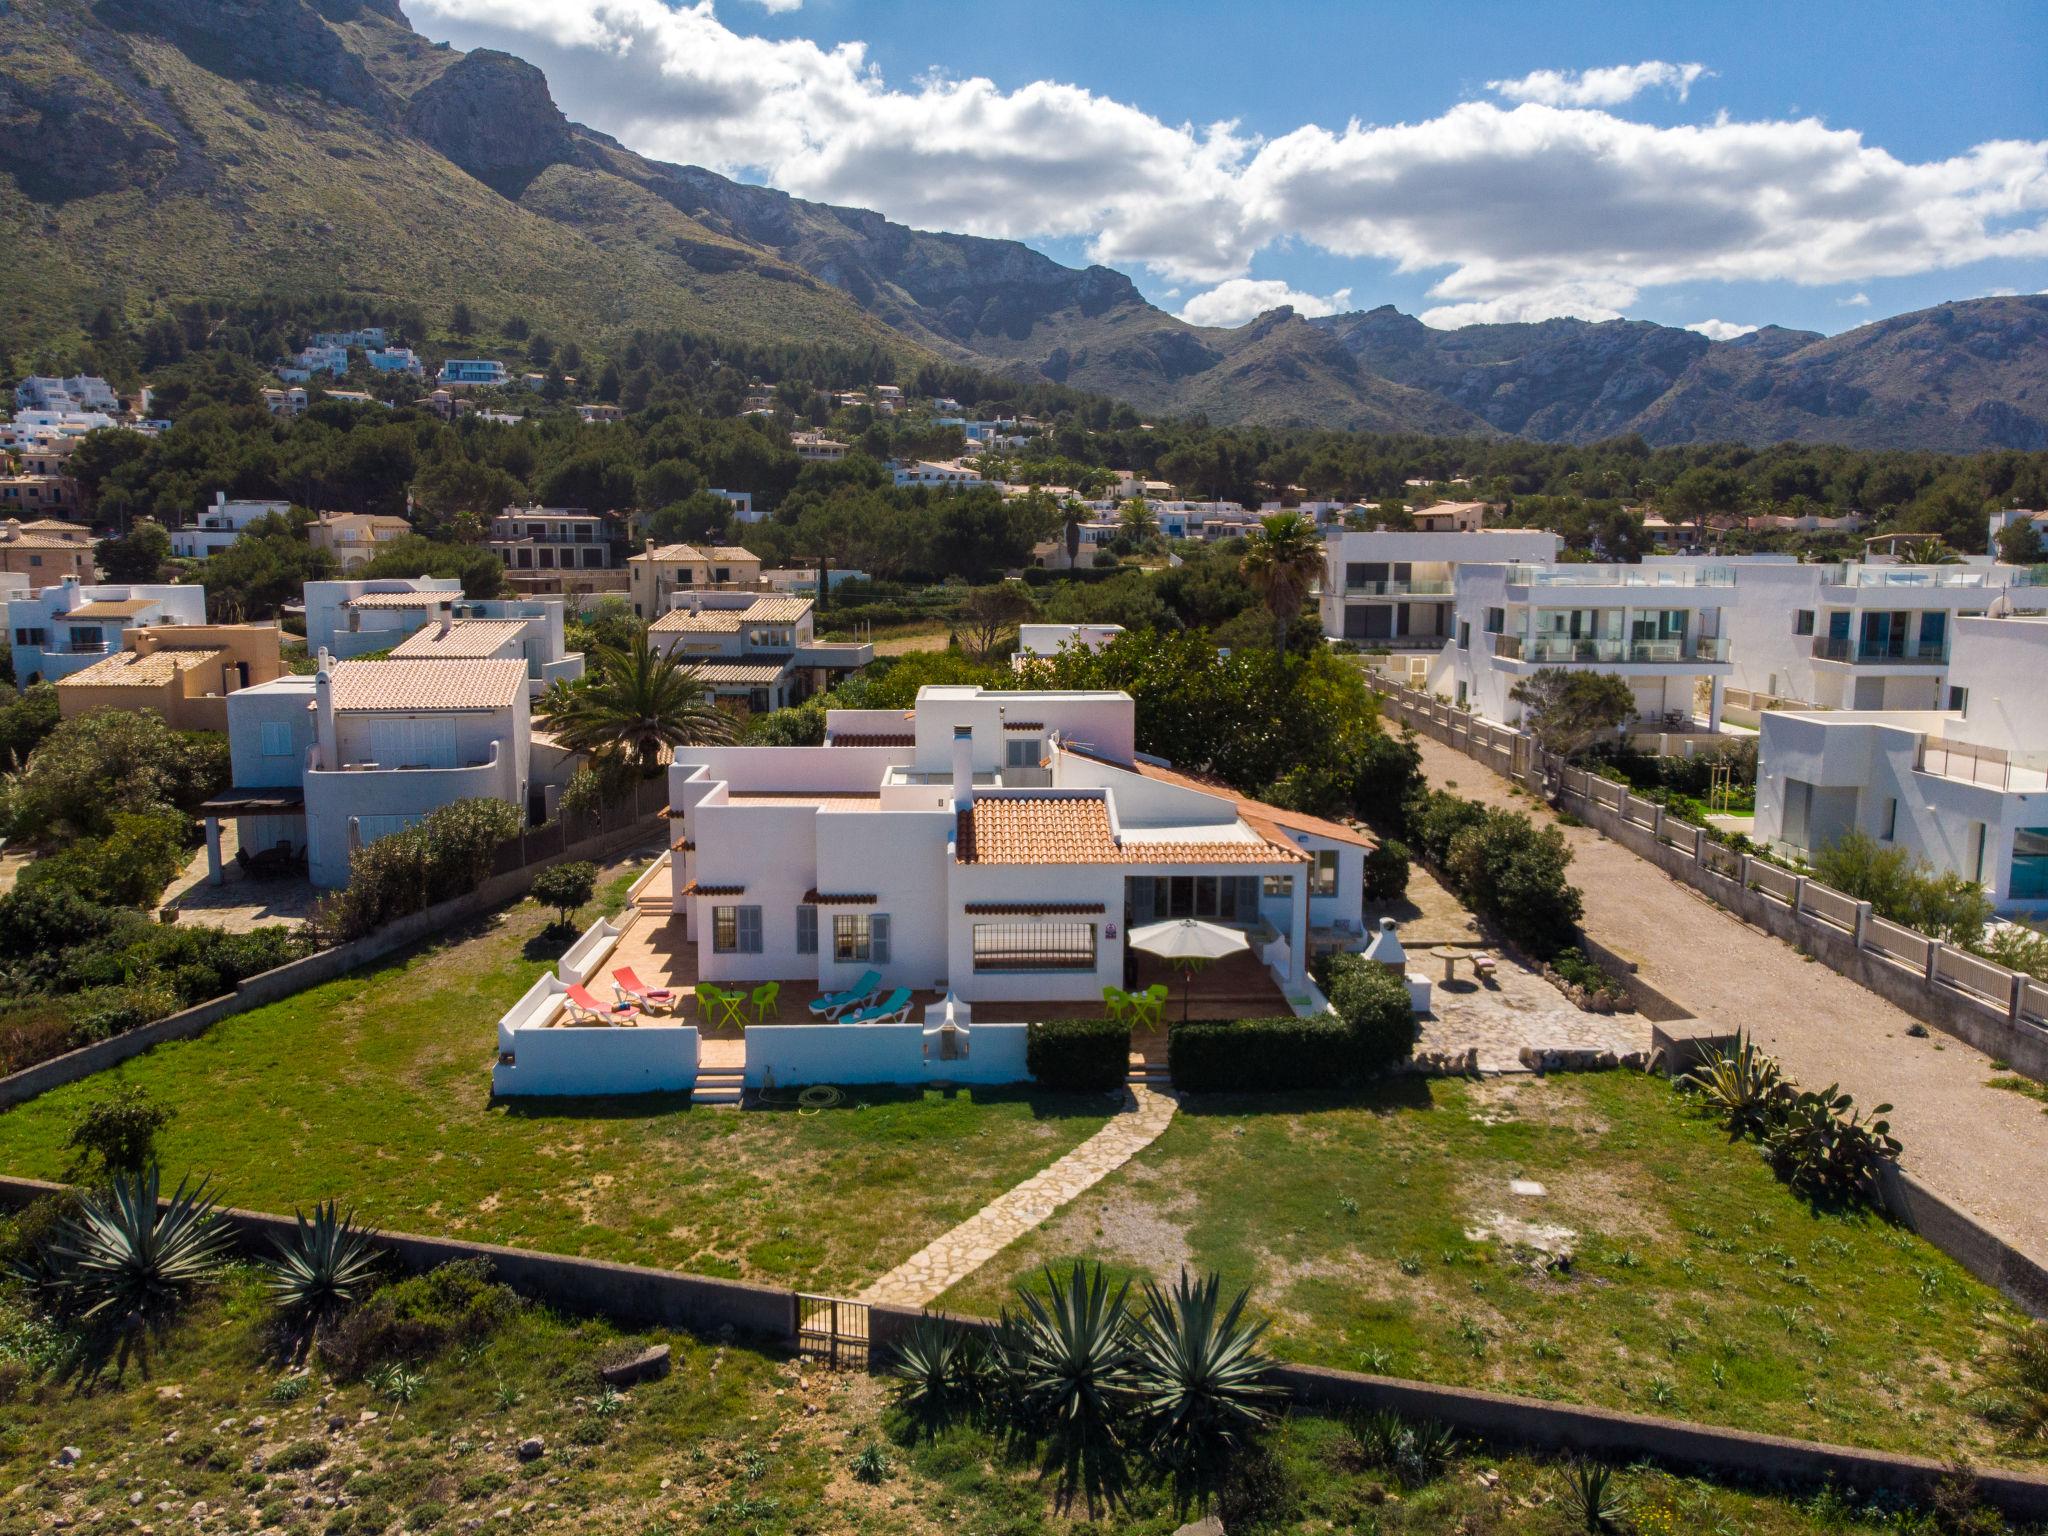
1518,212
1599,87
1240,299
1720,330
777,7
1855,301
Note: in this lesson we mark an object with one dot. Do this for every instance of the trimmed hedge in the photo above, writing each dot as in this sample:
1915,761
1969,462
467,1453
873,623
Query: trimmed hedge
1079,1055
1262,1055
1374,1006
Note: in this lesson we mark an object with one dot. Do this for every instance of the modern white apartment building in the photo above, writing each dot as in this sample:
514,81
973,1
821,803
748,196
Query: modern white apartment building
220,525
1041,642
327,763
70,626
1965,788
348,618
941,476
80,392
473,373
1660,628
1851,635
997,845
1394,589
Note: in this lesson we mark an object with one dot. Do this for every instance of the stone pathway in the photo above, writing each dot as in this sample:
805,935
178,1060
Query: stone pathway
925,1276
1517,1009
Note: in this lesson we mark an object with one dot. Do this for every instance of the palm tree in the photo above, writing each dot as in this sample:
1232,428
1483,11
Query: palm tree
1928,551
1282,561
1072,515
1137,521
640,703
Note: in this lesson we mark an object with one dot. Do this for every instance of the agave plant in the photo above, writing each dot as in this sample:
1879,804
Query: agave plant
324,1267
927,1364
1070,1355
122,1265
1202,1382
1743,1087
1414,1452
1589,1498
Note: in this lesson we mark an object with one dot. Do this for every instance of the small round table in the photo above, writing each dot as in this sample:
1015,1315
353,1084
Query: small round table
1450,957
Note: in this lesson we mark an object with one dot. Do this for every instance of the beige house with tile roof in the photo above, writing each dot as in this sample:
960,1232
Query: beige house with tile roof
44,558
754,649
185,672
354,538
659,575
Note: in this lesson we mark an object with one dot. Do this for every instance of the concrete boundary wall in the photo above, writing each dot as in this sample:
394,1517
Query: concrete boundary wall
1999,1011
309,971
639,1297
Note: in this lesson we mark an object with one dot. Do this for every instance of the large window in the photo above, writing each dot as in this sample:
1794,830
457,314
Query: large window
1034,946
1230,898
736,930
2030,864
1324,880
861,936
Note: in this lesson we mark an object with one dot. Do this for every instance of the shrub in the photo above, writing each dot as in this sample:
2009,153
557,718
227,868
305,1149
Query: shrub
1258,1493
1079,1055
1374,1005
90,768
1262,1055
603,781
1826,1150
115,1134
565,887
298,1456
140,854
1386,774
1577,969
1436,817
1386,871
1905,889
1511,872
100,1013
448,853
415,1318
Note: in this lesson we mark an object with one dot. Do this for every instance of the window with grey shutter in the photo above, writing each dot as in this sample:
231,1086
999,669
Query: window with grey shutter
878,938
750,930
807,930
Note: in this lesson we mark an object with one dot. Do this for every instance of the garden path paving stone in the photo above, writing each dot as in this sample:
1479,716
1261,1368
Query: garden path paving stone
926,1275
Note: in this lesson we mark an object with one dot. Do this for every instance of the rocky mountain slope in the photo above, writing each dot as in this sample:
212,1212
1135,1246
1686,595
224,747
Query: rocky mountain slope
155,149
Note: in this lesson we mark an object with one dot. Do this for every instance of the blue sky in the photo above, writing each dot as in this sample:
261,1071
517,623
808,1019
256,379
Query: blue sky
1815,165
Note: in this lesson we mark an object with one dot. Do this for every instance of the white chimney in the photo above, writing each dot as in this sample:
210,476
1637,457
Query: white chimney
963,766
327,745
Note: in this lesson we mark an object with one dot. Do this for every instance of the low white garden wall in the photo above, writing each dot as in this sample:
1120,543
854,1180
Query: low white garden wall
586,957
786,1055
598,1060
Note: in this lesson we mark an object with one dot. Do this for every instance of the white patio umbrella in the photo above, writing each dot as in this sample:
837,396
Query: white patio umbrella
1185,940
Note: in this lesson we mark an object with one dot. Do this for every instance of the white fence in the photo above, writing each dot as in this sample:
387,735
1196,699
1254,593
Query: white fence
598,1061
1987,991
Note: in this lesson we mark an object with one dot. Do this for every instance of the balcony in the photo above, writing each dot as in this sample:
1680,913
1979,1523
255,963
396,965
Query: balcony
1440,588
1992,767
1927,653
1924,576
79,648
1563,650
1619,576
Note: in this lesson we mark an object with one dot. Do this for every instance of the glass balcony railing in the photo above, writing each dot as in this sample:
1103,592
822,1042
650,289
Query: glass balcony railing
1925,653
1926,576
1620,576
1439,588
1565,650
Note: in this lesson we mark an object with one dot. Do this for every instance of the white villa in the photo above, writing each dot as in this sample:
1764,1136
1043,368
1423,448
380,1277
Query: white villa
70,626
1394,589
1965,787
757,649
220,525
1042,642
361,749
426,618
348,618
1658,627
995,845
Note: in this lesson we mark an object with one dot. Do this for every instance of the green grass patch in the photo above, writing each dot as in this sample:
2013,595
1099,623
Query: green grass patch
1381,1233
2026,1087
375,1089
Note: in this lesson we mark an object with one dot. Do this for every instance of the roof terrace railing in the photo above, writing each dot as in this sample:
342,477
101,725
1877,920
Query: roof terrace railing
1620,576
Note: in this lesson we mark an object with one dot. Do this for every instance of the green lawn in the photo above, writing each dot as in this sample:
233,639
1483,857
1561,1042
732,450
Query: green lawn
375,1088
731,1441
1380,1232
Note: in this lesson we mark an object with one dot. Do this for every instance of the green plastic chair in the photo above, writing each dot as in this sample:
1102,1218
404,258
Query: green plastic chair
764,1000
1116,1002
1147,1006
716,1006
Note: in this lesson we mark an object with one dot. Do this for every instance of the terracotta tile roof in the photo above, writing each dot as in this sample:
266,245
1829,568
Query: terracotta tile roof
466,639
1261,817
669,553
1074,829
778,610
694,889
731,552
108,608
713,621
41,541
125,669
428,685
873,739
817,799
740,674
817,898
402,600
1032,908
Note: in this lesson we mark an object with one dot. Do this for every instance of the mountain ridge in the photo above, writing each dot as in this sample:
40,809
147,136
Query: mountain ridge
160,149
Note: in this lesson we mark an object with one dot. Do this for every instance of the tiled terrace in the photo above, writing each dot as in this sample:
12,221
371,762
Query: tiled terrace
654,947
